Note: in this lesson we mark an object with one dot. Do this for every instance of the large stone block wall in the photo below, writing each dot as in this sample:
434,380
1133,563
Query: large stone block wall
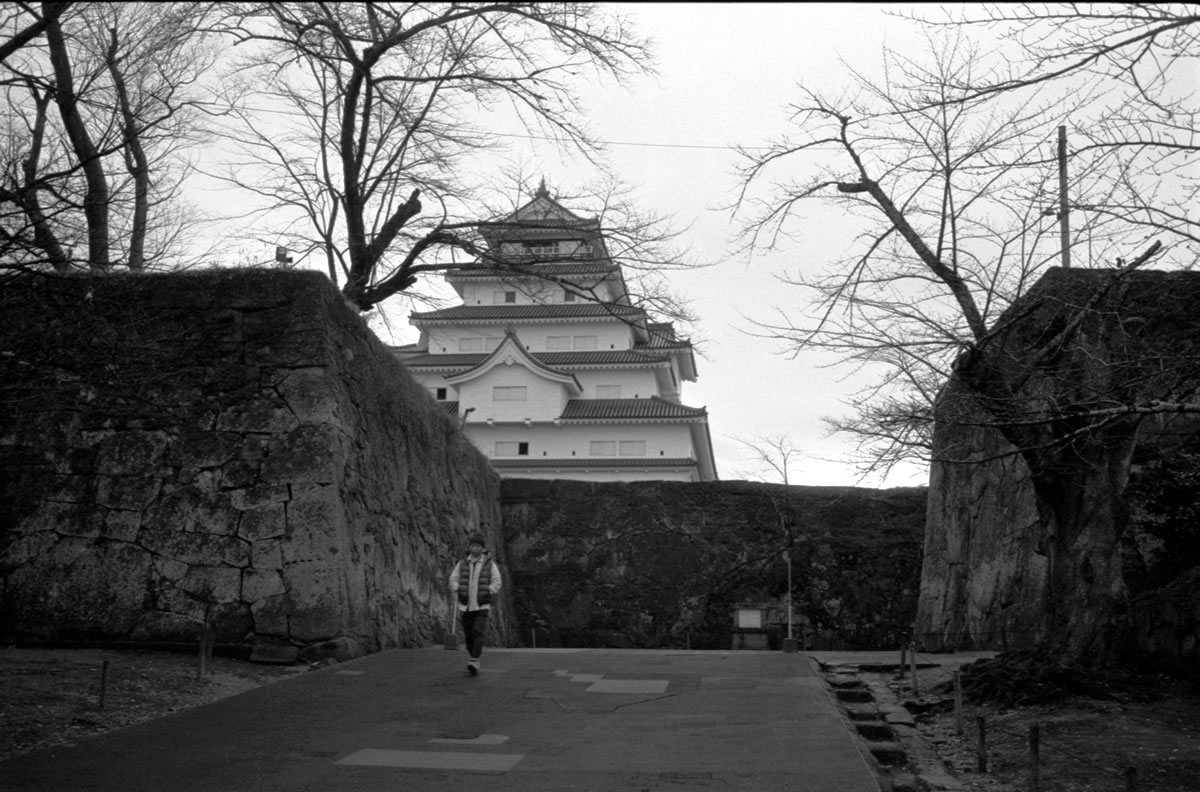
984,579
662,564
988,578
236,442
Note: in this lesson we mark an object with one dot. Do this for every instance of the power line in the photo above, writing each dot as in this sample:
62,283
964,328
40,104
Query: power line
644,145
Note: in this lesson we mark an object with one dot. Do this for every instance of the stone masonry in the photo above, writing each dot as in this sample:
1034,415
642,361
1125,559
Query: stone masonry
229,445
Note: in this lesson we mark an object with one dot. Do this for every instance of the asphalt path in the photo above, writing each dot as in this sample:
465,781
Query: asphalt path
533,720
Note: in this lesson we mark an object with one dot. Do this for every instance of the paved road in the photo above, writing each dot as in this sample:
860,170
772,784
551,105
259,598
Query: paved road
533,721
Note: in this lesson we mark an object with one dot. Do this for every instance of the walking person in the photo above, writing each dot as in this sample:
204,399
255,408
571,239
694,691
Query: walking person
475,580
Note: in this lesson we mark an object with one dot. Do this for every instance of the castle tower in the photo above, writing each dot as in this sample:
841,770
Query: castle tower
551,369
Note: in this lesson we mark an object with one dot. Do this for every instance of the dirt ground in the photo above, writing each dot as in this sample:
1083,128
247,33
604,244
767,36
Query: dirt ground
1087,744
53,697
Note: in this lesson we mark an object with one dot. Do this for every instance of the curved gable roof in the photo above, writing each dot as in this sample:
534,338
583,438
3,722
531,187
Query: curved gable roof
512,352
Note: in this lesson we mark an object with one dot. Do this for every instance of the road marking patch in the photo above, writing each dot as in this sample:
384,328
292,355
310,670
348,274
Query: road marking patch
483,739
588,678
636,686
433,760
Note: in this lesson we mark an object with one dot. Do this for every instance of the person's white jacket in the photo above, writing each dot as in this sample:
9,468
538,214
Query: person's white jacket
495,582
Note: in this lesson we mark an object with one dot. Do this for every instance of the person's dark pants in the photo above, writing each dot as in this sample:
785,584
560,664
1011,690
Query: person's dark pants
474,623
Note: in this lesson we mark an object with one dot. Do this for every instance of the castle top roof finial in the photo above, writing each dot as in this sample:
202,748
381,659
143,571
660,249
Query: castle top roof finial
542,192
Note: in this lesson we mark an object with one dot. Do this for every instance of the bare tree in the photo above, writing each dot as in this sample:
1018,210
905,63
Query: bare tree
1131,61
950,200
955,188
774,455
109,166
31,23
373,104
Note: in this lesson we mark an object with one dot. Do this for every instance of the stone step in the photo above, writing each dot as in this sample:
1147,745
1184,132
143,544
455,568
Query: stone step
889,754
899,716
854,695
863,712
875,732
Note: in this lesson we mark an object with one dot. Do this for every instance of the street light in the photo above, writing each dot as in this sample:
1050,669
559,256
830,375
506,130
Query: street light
789,644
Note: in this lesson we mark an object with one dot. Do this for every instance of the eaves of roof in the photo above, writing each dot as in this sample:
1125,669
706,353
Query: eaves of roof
654,408
587,359
528,313
537,270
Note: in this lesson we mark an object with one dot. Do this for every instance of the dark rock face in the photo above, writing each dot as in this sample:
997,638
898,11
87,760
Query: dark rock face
661,564
1062,496
229,442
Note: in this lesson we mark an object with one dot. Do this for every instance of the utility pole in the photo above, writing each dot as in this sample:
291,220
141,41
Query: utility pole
1064,225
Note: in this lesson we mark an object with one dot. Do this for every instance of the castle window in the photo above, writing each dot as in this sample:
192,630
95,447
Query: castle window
512,448
441,394
633,448
558,343
509,393
603,448
470,345
585,342
541,247
568,296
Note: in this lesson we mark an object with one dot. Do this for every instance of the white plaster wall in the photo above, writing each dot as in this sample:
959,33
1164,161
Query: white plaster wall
534,291
635,383
431,381
609,335
540,292
544,399
651,474
573,441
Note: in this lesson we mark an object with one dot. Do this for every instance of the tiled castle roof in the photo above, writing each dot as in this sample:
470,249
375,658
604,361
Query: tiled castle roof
615,357
541,269
625,409
534,311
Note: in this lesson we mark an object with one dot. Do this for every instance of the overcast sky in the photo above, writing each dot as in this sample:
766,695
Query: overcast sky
725,74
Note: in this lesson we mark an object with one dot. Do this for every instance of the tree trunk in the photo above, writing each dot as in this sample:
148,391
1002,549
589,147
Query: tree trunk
1082,503
95,201
135,161
43,235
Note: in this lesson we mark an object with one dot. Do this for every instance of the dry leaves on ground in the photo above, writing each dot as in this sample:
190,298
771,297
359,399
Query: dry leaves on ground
1086,743
52,697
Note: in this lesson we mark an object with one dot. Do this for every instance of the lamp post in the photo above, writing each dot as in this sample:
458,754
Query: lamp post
789,643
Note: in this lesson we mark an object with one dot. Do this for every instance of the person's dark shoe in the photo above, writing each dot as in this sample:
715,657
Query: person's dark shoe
473,667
